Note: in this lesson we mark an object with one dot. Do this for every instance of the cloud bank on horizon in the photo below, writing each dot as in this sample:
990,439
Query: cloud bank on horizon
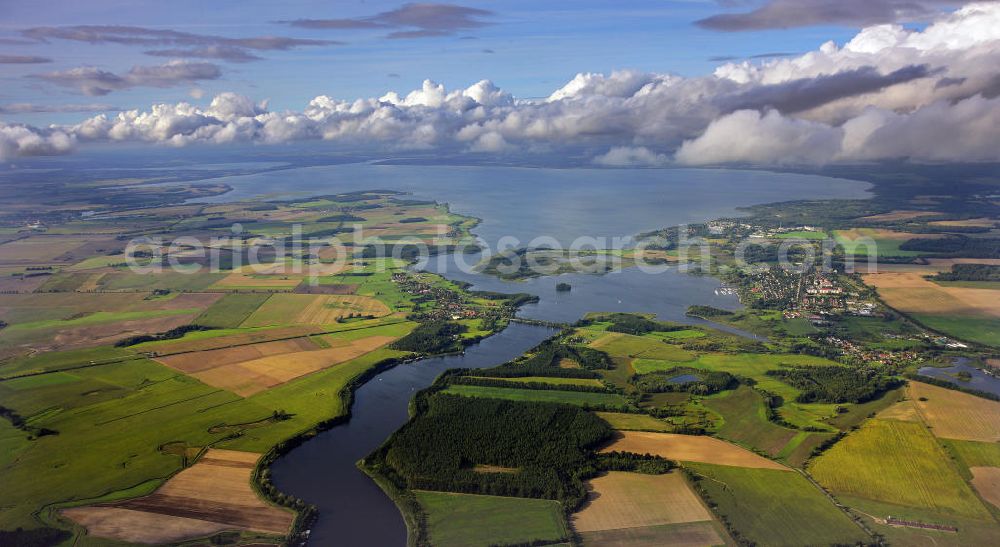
890,93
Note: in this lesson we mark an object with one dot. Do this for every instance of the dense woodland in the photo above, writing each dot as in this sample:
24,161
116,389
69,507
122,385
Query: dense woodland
431,337
971,247
834,384
708,382
550,446
970,272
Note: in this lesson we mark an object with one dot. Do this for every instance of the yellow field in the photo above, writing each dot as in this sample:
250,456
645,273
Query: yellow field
632,500
955,415
691,448
900,463
986,481
212,495
243,338
238,280
246,370
910,292
313,309
879,233
903,411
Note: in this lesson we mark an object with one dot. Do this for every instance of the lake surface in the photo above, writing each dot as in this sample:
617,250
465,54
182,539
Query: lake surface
684,379
980,380
525,203
521,204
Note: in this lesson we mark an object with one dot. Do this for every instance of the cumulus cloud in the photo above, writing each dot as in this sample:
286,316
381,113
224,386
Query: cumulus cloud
20,140
631,156
23,59
803,13
889,93
423,20
186,44
94,81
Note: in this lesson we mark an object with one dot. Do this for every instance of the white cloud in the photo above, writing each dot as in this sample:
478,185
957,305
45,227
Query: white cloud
18,140
631,156
889,93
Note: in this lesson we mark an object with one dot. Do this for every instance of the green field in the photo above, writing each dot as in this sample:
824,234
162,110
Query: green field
801,234
745,421
591,382
884,246
230,310
130,409
771,507
469,520
647,347
633,422
899,463
974,454
984,330
582,398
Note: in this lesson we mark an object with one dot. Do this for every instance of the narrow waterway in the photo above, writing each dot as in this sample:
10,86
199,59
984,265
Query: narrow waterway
352,508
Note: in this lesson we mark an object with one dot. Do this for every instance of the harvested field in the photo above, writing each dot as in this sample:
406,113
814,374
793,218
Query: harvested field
898,215
911,293
203,360
955,415
140,526
21,284
212,495
903,411
243,281
241,338
693,448
632,500
310,309
40,249
986,481
689,534
246,370
981,222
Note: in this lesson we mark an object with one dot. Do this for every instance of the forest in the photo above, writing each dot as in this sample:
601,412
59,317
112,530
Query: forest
550,446
663,381
431,337
970,272
834,384
971,247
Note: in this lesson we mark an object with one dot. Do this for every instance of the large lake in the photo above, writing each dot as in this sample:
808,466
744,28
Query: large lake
524,204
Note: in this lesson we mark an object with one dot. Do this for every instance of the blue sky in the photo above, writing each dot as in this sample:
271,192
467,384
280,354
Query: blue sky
639,83
530,48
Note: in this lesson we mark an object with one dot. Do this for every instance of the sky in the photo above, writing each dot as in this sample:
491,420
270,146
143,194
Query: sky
640,83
